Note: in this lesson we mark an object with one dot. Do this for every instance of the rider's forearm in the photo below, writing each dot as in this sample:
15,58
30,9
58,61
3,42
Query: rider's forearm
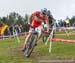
30,19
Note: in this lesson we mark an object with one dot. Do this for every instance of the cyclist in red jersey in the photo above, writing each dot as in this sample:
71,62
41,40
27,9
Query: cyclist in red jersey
38,18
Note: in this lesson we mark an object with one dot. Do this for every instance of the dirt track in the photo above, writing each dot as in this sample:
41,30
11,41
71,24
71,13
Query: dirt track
39,58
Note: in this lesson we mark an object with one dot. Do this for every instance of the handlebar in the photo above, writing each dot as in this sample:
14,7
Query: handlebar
35,27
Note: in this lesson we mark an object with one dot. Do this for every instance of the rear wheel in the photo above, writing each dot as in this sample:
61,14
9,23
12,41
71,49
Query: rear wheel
44,38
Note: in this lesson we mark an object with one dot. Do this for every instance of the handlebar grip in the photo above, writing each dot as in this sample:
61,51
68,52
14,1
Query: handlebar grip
46,32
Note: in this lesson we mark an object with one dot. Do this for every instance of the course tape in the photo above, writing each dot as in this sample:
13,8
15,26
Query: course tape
64,28
55,39
67,28
65,34
20,34
63,40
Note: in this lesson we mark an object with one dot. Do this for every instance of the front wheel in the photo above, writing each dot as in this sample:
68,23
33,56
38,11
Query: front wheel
30,46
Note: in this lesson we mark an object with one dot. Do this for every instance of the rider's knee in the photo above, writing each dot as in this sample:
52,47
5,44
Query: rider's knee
30,33
39,35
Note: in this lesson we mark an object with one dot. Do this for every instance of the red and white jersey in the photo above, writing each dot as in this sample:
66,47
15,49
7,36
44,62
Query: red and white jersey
37,22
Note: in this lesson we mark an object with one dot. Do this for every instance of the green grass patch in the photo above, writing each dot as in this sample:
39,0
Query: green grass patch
10,50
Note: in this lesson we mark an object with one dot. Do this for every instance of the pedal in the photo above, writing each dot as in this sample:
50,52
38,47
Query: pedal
35,44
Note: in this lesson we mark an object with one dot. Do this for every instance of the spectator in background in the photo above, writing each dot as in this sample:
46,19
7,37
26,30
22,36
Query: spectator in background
21,28
16,30
61,23
57,24
11,29
64,23
67,22
74,24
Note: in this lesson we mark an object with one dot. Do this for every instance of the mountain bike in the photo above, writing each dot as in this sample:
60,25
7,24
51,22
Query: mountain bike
31,43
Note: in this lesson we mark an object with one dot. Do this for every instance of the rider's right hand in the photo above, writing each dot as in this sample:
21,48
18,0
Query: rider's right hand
46,32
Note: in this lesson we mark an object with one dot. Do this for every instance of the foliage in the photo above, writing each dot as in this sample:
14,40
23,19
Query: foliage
72,20
14,18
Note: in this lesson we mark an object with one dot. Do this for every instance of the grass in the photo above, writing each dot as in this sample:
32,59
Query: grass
10,50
